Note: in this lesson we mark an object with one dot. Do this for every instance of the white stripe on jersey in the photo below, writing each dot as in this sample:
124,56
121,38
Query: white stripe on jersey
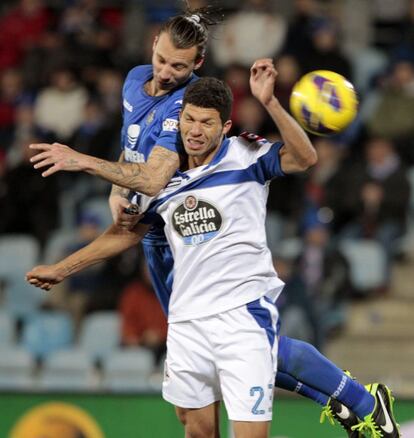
215,227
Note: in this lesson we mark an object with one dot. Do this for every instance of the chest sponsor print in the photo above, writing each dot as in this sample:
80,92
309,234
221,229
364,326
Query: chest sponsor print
196,221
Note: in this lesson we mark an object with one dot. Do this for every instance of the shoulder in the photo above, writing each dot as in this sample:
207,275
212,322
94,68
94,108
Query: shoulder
252,144
139,73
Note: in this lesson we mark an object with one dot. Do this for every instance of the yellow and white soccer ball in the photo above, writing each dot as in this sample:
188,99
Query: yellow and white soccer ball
323,102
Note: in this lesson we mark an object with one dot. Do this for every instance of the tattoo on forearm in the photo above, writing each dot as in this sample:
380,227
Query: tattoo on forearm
142,177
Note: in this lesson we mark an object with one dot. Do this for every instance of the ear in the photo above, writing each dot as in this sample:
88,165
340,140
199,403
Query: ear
155,42
199,63
227,126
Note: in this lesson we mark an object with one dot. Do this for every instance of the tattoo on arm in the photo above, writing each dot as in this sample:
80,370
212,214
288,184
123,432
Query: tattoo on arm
148,178
118,190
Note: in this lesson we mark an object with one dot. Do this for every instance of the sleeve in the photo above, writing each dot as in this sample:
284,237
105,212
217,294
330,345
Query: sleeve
169,136
268,165
264,156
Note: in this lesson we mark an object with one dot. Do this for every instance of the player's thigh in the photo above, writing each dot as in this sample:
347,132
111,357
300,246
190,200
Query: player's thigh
190,375
203,422
247,360
251,429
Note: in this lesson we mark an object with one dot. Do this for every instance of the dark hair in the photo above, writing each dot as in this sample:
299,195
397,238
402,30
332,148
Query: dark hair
191,28
210,92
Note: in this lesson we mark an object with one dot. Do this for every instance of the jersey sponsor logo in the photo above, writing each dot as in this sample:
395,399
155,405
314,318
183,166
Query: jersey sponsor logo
170,125
196,221
128,106
133,134
134,156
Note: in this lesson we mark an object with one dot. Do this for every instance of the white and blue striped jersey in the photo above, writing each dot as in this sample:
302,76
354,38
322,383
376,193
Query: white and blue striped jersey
214,219
149,121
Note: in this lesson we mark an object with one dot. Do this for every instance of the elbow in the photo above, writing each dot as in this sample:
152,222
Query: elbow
311,159
306,162
148,191
153,191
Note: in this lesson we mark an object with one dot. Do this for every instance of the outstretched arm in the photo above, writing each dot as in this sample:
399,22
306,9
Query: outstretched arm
112,242
148,178
297,154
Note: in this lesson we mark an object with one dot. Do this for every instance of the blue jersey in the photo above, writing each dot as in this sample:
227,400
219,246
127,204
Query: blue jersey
150,121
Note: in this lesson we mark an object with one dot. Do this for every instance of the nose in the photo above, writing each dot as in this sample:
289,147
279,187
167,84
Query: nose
165,73
195,130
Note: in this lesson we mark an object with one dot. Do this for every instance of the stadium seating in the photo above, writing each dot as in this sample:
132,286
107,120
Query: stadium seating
367,262
56,245
18,253
99,334
6,330
68,370
16,368
22,299
47,331
128,370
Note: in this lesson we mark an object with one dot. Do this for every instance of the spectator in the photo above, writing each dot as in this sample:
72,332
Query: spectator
32,200
234,45
325,52
22,29
378,196
143,322
392,116
59,107
12,94
326,275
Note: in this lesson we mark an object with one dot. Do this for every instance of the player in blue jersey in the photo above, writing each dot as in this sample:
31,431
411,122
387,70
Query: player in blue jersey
152,98
181,213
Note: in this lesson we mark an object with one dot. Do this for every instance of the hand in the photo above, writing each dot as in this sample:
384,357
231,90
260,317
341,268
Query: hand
262,80
118,204
58,157
44,276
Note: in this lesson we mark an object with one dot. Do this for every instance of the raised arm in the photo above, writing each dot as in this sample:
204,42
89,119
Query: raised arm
148,178
112,242
297,154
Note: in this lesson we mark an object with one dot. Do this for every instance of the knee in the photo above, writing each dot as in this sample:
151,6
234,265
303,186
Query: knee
196,427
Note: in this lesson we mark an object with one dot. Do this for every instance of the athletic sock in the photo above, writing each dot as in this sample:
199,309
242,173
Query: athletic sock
306,364
288,382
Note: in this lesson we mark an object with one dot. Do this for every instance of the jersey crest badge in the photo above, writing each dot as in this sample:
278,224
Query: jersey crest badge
150,117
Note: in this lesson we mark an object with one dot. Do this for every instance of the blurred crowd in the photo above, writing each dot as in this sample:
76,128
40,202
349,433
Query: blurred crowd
62,65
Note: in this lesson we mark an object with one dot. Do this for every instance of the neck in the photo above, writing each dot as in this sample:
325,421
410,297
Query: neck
152,90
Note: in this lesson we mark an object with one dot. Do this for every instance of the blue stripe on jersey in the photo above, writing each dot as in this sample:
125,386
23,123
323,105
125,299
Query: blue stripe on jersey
160,265
263,317
265,168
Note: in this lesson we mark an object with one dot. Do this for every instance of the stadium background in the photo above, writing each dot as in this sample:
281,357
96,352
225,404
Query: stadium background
61,69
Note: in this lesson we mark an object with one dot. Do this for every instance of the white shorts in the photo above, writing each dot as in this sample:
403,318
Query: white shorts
231,356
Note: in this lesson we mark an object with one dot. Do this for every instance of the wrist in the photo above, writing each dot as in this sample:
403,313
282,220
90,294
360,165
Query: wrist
272,104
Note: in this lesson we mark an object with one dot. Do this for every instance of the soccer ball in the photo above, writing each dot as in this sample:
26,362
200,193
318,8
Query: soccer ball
323,102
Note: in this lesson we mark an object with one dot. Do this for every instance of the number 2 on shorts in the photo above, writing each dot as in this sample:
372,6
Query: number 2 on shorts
253,391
